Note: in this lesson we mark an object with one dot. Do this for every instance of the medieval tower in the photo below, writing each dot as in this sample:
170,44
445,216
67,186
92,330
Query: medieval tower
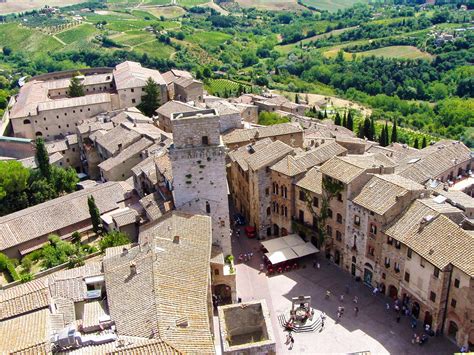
199,173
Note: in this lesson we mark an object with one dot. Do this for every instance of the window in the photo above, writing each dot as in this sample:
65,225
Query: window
26,121
453,303
339,197
59,127
338,236
216,271
329,213
315,202
432,296
205,140
301,215
409,251
396,267
273,188
73,111
208,207
282,190
389,240
339,218
371,250
267,191
422,262
282,210
302,195
268,211
286,192
373,229
286,211
134,101
387,262
277,208
436,272
329,231
407,277
132,90
456,283
398,245
65,113
357,220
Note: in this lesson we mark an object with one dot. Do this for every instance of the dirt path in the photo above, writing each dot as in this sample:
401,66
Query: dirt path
59,40
216,7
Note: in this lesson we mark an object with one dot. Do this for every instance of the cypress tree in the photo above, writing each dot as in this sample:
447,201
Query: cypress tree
372,127
344,121
366,130
415,144
297,99
42,158
150,101
394,137
325,114
350,121
360,130
382,137
387,138
423,143
337,119
76,88
320,115
95,214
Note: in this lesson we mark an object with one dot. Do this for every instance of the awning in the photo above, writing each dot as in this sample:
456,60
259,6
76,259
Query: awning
281,256
305,249
293,240
273,245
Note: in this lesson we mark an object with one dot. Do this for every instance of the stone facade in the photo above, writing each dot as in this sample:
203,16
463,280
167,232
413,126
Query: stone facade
199,175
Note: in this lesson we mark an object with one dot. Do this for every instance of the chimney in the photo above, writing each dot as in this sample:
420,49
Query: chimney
176,239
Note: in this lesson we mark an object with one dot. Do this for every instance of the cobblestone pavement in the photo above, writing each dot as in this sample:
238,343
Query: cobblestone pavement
374,329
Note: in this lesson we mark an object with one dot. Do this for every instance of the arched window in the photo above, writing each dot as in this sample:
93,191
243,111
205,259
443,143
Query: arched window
339,218
281,190
277,188
39,134
286,211
286,192
27,121
208,207
268,211
273,188
277,208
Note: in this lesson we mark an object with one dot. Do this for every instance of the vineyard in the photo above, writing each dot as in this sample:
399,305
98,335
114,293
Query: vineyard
224,87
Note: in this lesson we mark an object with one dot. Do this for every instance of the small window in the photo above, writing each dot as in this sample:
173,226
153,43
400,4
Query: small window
59,127
453,303
456,283
132,90
302,195
176,239
88,109
65,113
387,262
80,110
208,207
407,277
422,262
73,149
205,140
268,211
339,197
357,220
338,236
329,230
432,296
73,111
436,272
216,272
339,218
389,240
409,252
26,121
398,245
396,267
267,191
44,118
329,213
373,229
315,202
134,101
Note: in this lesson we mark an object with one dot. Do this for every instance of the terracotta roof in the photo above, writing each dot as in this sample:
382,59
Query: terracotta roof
173,106
132,75
151,347
27,333
56,146
163,166
127,153
268,155
245,135
458,198
53,215
86,100
24,298
94,126
125,218
28,98
433,161
289,166
155,206
119,136
223,107
93,311
312,181
382,192
395,151
185,82
240,155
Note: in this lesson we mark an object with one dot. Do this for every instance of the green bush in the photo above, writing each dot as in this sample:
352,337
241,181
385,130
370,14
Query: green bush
8,265
113,239
270,118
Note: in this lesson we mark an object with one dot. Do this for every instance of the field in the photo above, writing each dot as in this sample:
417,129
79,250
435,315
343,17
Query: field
332,5
407,52
77,33
167,11
271,4
219,86
208,38
22,5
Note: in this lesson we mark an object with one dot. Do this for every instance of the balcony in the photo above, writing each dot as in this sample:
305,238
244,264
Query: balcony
297,225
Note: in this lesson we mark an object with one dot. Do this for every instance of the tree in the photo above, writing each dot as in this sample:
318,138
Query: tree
366,129
206,72
415,144
151,100
423,142
113,239
337,119
57,252
7,51
95,215
372,127
344,121
350,121
382,137
76,88
76,237
13,178
360,130
394,137
64,180
42,158
325,114
297,99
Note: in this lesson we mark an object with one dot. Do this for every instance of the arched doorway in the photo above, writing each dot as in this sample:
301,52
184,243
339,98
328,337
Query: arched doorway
392,292
368,276
337,257
382,288
276,230
452,330
223,293
415,310
428,319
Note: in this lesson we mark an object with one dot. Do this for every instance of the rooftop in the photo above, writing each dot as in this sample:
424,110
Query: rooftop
125,154
246,135
312,181
132,75
268,155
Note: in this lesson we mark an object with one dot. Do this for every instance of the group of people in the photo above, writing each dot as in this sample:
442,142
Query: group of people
245,257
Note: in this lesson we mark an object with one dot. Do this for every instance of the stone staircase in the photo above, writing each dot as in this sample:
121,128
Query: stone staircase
315,325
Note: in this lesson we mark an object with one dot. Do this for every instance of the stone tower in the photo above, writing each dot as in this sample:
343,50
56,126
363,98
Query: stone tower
199,172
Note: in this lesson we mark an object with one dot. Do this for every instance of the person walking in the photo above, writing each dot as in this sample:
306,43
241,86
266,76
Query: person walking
356,310
398,317
328,293
318,266
292,342
342,298
261,268
387,307
356,299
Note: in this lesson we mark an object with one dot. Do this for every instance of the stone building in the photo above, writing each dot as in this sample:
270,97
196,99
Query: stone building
198,165
230,116
43,108
164,113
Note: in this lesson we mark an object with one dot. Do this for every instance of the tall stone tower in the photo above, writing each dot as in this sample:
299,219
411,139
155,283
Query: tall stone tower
199,173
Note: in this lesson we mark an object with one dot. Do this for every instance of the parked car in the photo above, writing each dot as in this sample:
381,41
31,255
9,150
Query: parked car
250,231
